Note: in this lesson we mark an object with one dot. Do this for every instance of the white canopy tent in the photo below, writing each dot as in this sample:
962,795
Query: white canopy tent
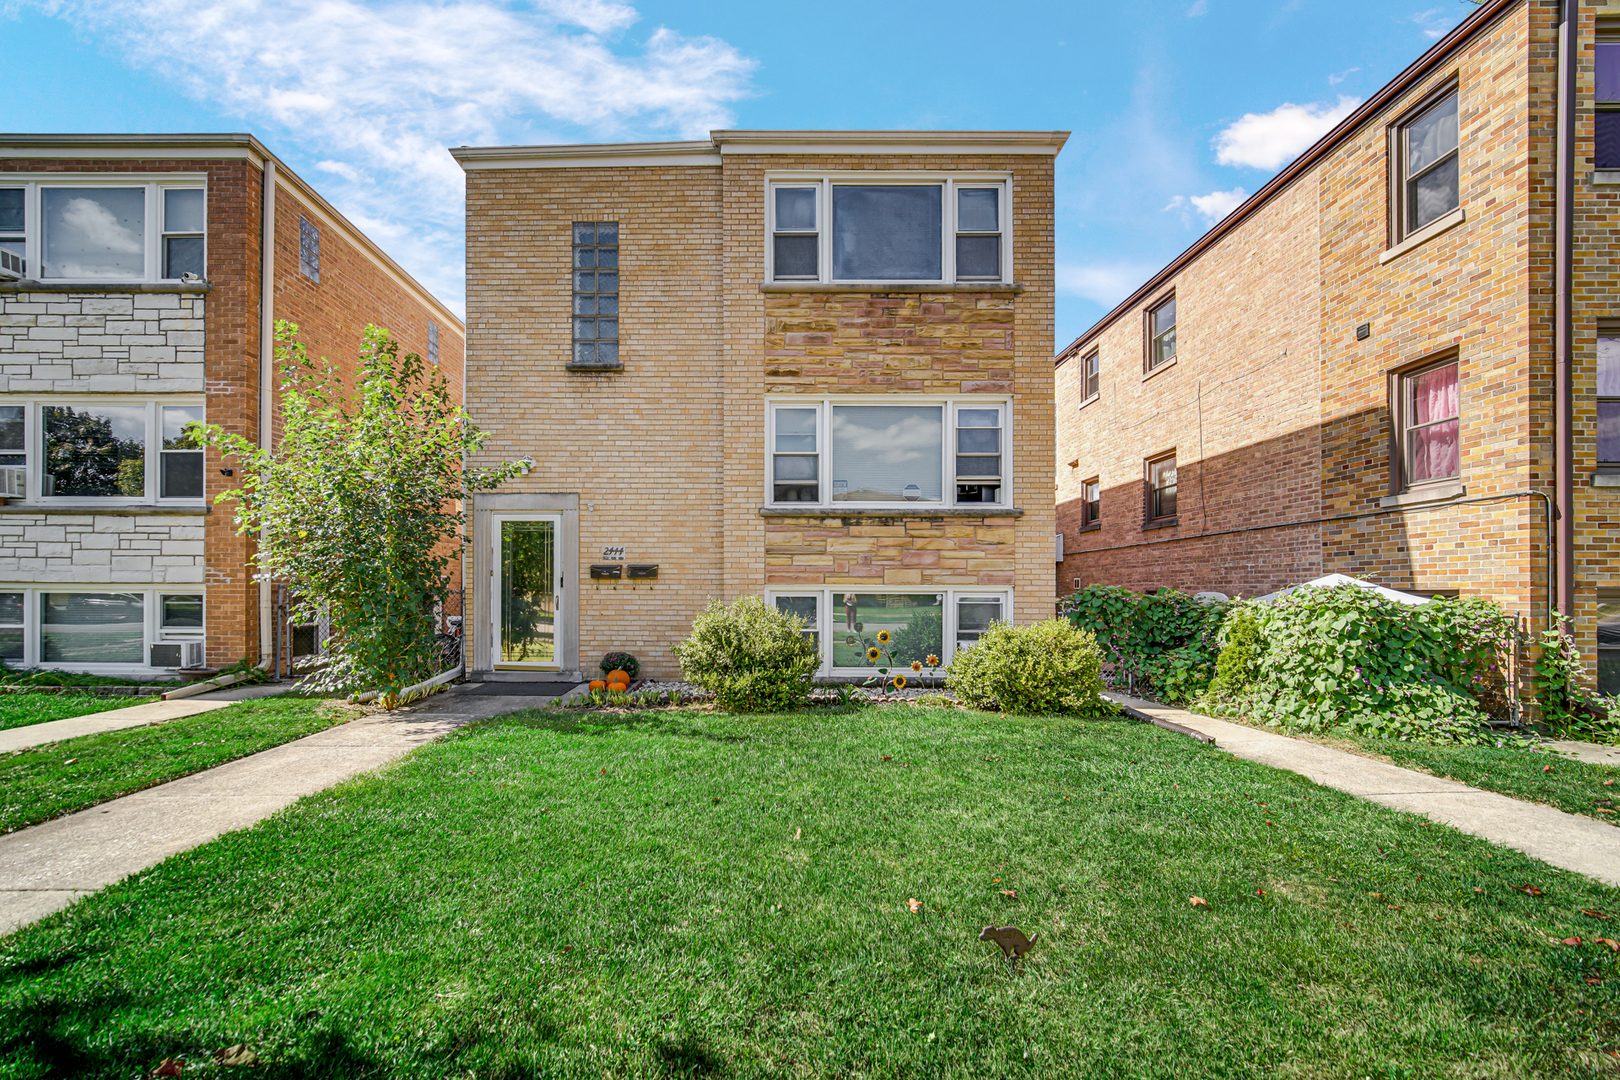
1332,580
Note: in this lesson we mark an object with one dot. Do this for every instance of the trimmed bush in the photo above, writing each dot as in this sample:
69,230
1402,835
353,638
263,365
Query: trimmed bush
751,656
1046,667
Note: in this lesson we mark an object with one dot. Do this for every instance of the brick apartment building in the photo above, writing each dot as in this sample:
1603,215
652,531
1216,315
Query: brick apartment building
140,279
1396,360
809,366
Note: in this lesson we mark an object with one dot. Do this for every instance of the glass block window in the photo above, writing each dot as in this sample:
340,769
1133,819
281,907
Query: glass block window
309,250
596,294
433,343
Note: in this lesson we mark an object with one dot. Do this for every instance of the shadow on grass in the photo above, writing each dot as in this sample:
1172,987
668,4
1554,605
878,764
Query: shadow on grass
688,1056
595,723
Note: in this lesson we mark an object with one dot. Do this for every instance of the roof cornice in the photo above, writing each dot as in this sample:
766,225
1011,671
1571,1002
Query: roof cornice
1419,69
115,146
709,152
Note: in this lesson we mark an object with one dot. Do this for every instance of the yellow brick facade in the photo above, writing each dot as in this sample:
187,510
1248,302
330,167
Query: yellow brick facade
668,457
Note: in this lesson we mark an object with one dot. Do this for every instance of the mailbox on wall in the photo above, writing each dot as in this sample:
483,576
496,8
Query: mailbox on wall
606,571
643,570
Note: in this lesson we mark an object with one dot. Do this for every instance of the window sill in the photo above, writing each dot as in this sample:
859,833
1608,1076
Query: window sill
595,367
121,510
1437,494
1160,523
28,285
1423,236
1093,527
896,512
1086,402
1606,477
1605,176
892,287
1166,366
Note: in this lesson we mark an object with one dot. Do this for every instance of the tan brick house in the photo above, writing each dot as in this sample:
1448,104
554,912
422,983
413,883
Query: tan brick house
140,280
1394,361
810,366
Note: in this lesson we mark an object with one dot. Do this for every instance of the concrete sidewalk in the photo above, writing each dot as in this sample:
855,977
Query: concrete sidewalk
1567,840
153,712
45,868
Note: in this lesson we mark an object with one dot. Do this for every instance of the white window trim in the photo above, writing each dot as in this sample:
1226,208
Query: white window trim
825,611
151,617
950,182
34,444
948,481
154,184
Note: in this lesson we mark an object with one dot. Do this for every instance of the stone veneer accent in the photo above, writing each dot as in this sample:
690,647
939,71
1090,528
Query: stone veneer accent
90,548
107,343
954,552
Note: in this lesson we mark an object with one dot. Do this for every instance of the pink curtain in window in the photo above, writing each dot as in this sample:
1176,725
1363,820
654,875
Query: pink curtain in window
1434,448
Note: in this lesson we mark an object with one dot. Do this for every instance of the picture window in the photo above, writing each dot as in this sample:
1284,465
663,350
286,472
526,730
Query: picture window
596,294
844,624
129,451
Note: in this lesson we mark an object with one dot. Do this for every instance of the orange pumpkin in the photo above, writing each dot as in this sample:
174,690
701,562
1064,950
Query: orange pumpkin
598,684
619,675
618,687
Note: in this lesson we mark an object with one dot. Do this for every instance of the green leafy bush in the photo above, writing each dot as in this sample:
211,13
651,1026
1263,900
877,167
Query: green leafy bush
1570,708
620,661
751,656
1240,643
1045,667
1347,656
1163,645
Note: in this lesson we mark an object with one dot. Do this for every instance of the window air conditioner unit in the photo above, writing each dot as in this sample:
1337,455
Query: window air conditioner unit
195,655
12,266
178,654
12,484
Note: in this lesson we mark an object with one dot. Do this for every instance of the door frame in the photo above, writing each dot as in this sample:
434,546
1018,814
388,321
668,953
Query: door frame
483,587
559,581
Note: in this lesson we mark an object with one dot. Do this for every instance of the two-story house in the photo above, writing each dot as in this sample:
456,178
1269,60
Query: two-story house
140,280
804,365
1398,360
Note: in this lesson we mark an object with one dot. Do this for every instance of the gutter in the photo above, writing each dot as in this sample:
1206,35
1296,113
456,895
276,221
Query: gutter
1419,69
1563,322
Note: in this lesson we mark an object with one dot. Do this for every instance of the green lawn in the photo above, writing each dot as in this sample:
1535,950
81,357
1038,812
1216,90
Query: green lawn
694,894
43,782
20,710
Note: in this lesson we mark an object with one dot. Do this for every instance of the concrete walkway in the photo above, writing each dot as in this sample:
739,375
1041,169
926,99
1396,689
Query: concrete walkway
1595,753
153,712
45,868
1567,840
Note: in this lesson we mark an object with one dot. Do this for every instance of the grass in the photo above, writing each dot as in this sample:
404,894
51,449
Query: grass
20,710
1576,787
696,894
58,778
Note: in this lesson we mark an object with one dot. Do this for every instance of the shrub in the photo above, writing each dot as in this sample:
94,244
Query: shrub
1347,656
620,661
1240,644
1165,642
751,656
1045,667
1569,708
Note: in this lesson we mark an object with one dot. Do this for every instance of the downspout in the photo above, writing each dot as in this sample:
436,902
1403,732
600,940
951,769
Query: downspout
268,643
1563,326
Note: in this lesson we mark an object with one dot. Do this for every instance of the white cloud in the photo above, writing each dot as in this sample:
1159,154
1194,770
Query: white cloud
1199,8
1105,285
373,93
1267,140
1217,204
1335,80
1435,22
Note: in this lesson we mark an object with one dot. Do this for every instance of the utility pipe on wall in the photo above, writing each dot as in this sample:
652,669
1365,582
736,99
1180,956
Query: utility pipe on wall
1563,326
267,352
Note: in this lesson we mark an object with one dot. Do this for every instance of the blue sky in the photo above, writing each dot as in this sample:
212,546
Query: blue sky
1177,109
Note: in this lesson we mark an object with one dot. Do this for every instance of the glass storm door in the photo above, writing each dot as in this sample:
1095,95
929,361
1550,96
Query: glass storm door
528,591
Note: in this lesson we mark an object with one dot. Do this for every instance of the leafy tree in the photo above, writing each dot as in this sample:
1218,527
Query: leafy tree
356,502
84,456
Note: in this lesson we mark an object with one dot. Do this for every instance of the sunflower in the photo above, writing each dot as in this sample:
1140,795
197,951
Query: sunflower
883,636
916,665
873,653
933,661
899,682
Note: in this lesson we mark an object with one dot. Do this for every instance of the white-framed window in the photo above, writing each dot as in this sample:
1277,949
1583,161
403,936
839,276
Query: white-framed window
890,450
98,227
124,451
889,227
112,628
844,623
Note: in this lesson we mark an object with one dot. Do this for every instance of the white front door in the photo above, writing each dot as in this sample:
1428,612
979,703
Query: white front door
527,590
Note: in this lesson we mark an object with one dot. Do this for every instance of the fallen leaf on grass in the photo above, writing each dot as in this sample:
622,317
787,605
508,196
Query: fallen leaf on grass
71,761
235,1055
604,770
1198,901
1571,941
1393,907
1608,783
887,757
1546,768
1260,892
170,1067
1528,890
1011,894
1613,945
1478,889
1593,914
1376,895
797,833
1594,982
914,905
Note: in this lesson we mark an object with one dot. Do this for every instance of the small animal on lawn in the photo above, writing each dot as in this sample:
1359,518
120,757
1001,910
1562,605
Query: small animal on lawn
1011,939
